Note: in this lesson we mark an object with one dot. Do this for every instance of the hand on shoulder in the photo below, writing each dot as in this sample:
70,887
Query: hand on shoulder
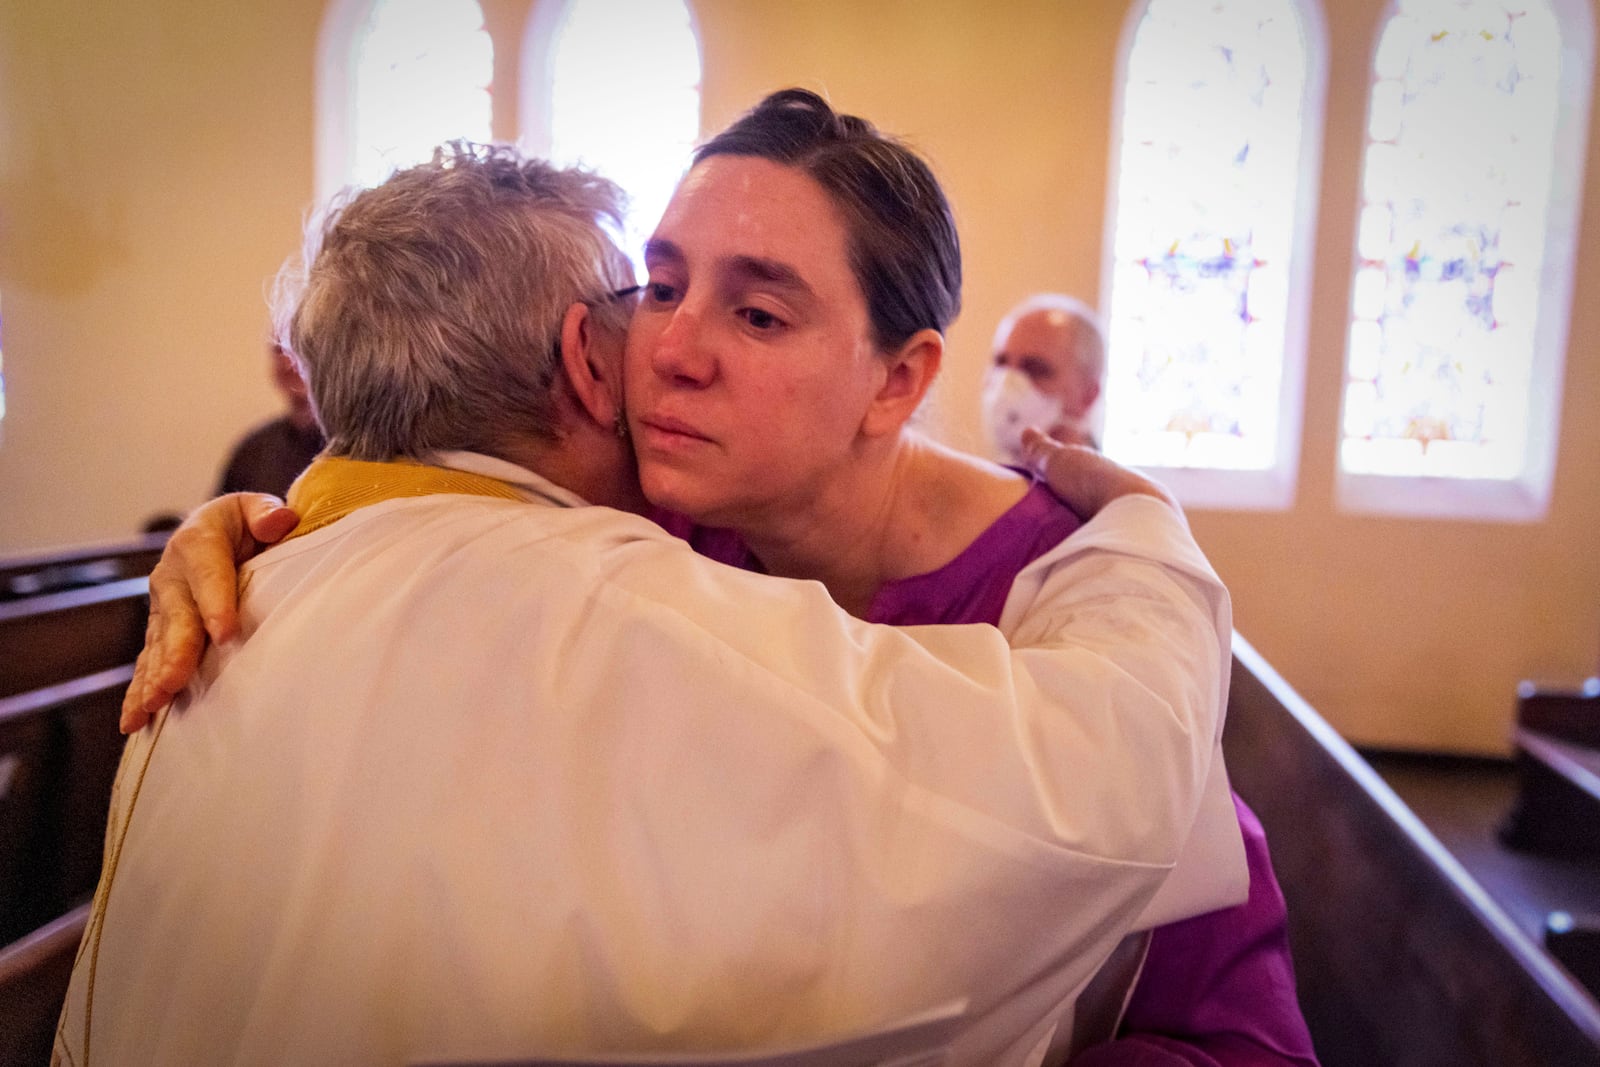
1085,479
194,594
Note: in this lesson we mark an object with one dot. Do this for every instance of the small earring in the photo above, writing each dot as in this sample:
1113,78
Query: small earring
620,425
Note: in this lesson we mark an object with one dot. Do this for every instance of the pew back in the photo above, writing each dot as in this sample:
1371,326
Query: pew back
59,750
34,974
1400,957
54,572
55,637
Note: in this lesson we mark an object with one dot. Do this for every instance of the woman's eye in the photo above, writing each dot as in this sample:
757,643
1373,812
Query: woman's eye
761,320
659,293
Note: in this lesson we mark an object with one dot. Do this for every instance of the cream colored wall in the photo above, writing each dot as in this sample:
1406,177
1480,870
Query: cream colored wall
155,160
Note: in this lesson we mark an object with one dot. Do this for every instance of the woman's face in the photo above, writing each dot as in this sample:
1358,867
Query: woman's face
750,362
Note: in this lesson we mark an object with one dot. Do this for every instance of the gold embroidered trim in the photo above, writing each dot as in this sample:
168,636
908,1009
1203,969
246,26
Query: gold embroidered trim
333,487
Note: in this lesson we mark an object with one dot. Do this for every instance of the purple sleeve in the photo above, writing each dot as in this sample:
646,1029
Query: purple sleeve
1217,990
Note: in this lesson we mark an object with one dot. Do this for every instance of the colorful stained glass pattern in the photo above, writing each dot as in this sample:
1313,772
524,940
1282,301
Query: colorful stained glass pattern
422,73
1451,239
627,104
1206,195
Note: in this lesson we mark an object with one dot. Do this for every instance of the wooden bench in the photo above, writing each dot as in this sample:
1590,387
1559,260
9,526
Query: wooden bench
54,572
55,637
59,750
70,626
34,973
1401,958
1557,739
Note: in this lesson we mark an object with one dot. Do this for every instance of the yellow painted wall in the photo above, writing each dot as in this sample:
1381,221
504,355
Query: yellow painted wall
155,161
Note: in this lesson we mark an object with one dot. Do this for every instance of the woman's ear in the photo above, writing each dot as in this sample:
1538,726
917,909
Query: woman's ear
910,374
593,365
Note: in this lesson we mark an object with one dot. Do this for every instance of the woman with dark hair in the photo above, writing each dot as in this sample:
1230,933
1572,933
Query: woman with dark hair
801,281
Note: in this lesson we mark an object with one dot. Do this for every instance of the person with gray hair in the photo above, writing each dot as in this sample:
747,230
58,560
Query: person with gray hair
501,770
482,255
1048,370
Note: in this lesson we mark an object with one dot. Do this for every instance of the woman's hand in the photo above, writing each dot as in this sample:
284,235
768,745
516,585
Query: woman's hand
194,593
1085,480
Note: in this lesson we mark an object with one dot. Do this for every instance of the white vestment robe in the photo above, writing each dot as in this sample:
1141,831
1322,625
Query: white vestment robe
487,779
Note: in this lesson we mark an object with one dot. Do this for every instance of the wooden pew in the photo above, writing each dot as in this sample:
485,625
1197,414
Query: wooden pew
1574,940
59,749
34,973
1557,738
70,626
1400,956
54,572
55,637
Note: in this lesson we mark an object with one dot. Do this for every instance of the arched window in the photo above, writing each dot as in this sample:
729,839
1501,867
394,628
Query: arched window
1220,112
396,78
1469,198
625,103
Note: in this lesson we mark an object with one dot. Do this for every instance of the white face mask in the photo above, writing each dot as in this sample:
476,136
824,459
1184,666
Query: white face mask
1010,405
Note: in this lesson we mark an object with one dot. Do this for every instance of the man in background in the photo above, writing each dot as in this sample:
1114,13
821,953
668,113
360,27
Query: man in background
1048,371
272,455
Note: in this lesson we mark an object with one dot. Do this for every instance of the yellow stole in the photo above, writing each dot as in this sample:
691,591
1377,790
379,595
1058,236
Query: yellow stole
333,486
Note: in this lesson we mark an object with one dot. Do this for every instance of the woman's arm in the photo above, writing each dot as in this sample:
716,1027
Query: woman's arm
194,589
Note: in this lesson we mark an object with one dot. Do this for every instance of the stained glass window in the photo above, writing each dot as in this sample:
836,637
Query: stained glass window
626,104
1215,111
1451,247
419,75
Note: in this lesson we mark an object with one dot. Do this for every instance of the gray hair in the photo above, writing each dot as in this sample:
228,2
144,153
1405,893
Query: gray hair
426,312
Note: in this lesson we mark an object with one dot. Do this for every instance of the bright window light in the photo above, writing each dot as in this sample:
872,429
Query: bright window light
1460,296
1205,322
1455,214
421,71
626,104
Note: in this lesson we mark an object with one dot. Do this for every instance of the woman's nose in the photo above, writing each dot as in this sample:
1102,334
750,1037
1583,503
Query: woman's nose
682,349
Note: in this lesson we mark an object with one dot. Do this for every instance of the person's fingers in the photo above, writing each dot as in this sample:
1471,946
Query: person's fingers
179,641
1073,471
199,572
197,577
266,518
134,713
1033,440
173,643
1084,478
1039,448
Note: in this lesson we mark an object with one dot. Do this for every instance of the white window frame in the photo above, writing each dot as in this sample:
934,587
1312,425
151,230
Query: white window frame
335,100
